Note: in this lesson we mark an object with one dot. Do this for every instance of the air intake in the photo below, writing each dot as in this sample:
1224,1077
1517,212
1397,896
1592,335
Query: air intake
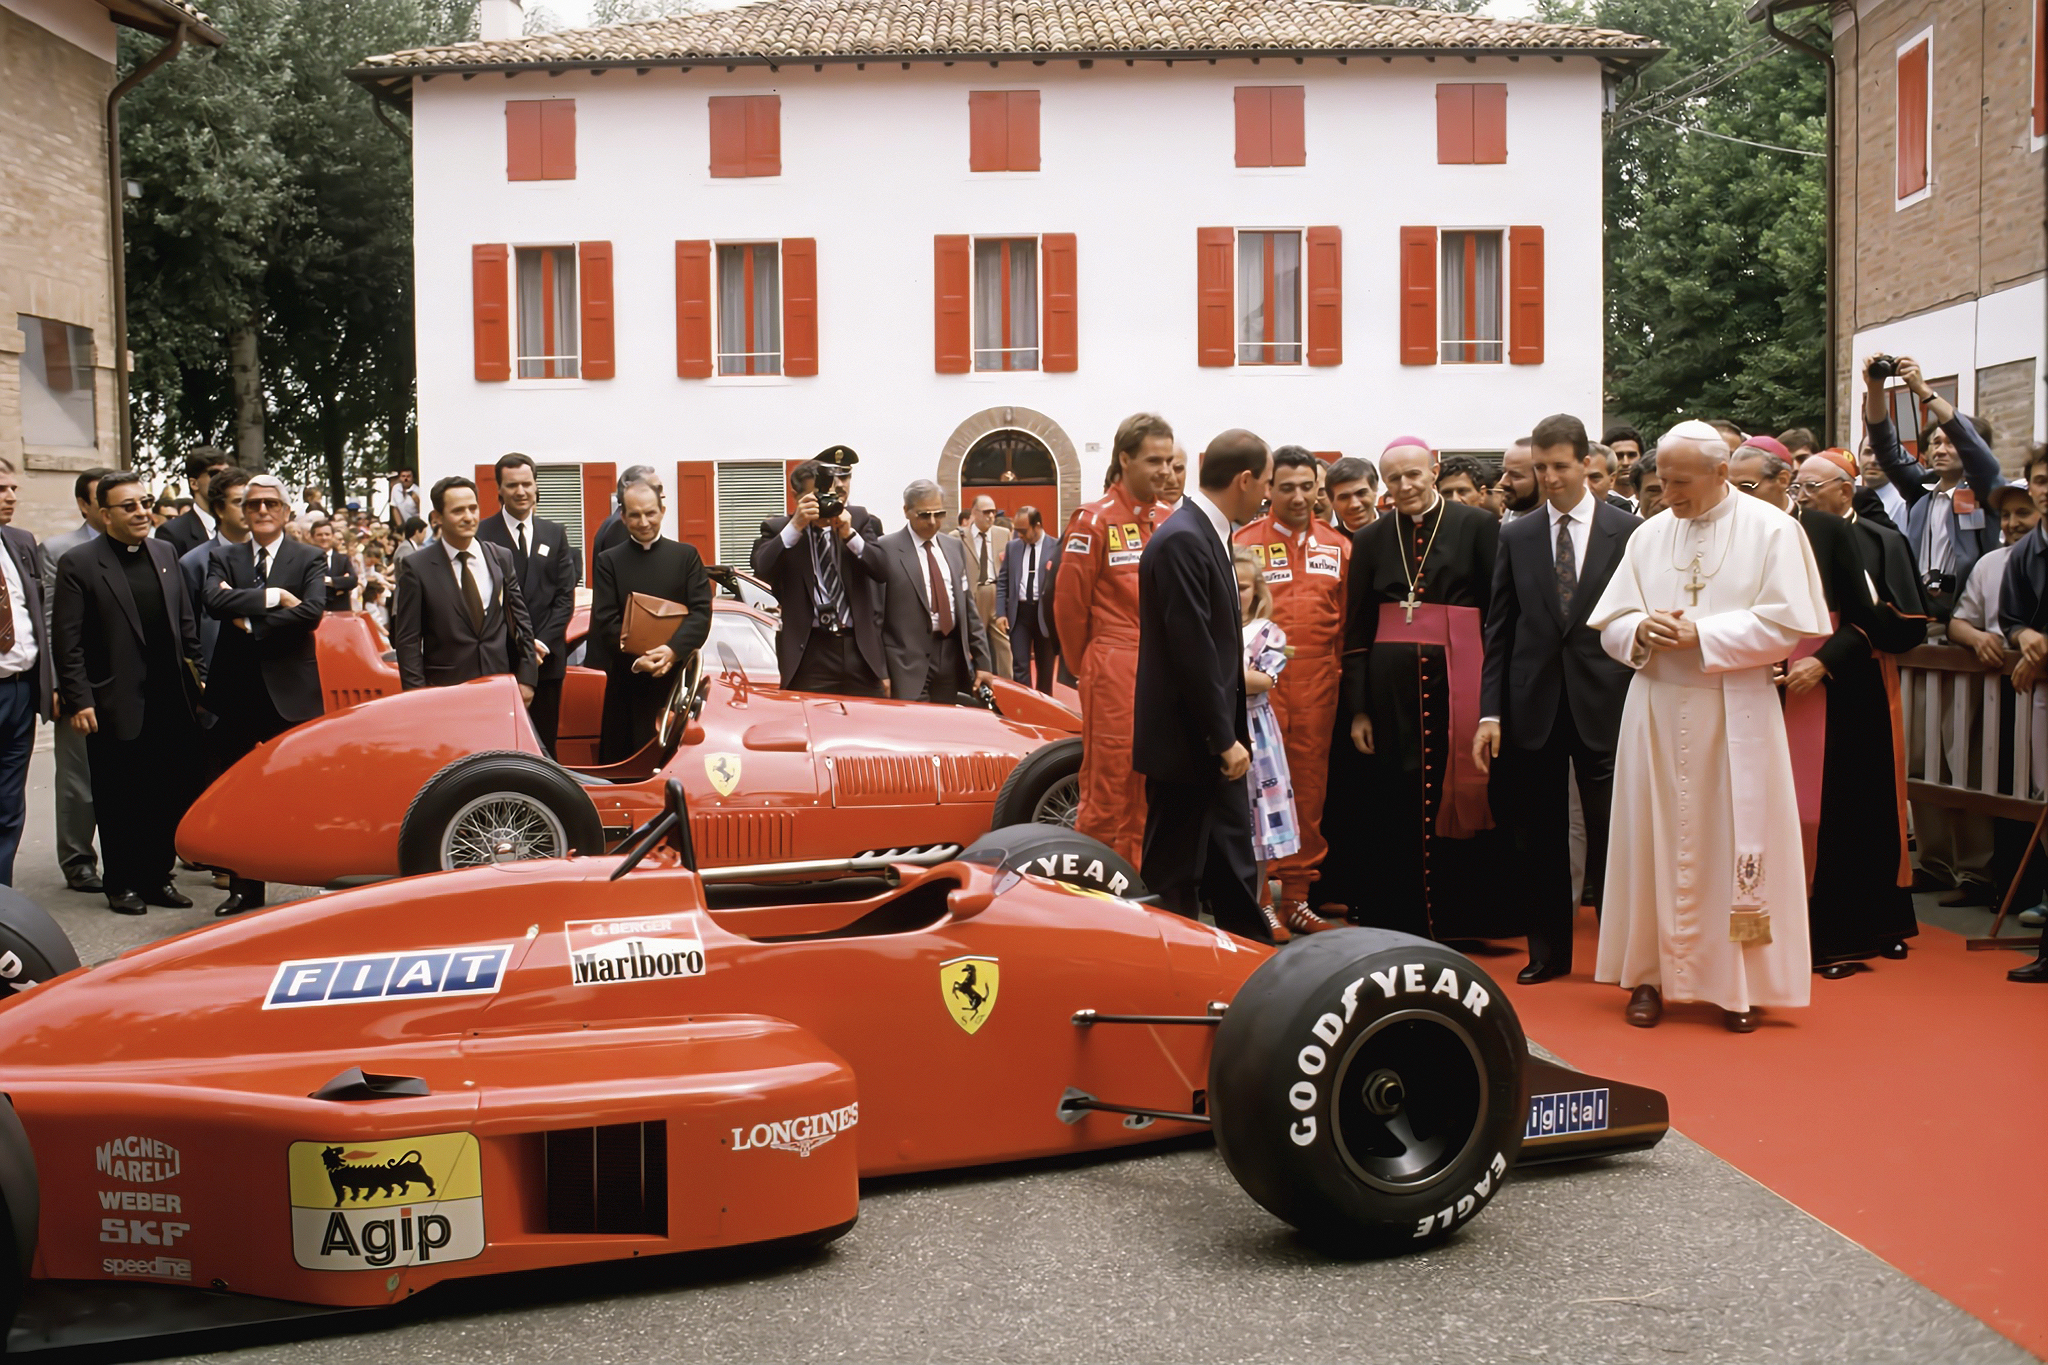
612,1179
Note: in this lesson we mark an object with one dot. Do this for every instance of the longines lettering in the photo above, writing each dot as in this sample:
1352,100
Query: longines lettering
802,1136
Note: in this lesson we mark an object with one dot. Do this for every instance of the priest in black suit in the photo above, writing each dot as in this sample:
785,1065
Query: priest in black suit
268,593
1190,738
828,578
127,644
637,686
195,525
458,613
1421,583
1551,696
548,572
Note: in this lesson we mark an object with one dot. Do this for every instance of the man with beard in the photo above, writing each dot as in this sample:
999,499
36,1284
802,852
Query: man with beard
1842,720
1520,495
1421,581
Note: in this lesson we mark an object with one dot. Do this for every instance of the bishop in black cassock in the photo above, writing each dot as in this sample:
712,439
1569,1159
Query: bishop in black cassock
1419,879
664,568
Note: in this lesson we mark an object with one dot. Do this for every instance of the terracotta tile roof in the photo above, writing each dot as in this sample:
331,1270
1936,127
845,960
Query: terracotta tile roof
162,17
793,31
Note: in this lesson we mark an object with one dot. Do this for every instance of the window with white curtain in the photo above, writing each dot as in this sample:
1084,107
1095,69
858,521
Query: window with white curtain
1269,298
56,384
1470,311
750,308
1006,303
547,312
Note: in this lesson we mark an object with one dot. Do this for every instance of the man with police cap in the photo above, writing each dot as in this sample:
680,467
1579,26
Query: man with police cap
821,562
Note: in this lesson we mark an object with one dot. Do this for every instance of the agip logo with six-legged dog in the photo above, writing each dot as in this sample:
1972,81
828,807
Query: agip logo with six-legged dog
390,1203
968,986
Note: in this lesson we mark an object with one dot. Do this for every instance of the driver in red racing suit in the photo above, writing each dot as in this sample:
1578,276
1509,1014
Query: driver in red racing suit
1095,605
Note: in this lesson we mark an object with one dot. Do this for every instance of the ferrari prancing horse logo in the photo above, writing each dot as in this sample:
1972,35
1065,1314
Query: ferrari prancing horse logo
724,771
967,985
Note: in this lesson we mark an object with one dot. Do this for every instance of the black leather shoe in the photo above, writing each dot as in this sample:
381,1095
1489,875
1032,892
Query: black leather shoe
126,903
89,884
2035,972
168,896
1835,971
1897,951
1537,972
235,905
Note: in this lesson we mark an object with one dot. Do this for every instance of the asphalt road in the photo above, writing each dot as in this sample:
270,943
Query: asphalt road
1670,1255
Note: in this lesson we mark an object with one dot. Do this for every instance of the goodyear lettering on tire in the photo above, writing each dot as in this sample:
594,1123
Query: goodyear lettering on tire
1409,978
386,1204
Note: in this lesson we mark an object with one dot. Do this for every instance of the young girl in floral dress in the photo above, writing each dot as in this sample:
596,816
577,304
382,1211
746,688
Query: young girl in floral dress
1274,831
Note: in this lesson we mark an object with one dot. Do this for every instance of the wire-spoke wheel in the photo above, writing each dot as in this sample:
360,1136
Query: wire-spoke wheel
502,827
1061,803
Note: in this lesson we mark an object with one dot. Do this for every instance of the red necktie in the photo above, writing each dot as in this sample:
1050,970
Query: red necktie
942,604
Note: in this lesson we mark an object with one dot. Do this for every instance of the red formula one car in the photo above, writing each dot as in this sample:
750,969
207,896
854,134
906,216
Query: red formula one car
345,1101
780,783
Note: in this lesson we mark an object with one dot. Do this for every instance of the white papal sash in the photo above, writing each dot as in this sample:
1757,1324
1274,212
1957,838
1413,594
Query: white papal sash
1749,705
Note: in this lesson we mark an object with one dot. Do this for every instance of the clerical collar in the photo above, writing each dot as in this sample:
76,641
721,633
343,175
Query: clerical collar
644,548
1437,500
131,549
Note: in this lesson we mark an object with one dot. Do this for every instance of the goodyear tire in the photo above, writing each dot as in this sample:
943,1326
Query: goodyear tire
1367,1088
478,805
32,947
1061,854
1044,789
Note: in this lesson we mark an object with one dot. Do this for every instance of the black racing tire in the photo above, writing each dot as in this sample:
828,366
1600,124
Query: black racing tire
1044,789
500,795
32,947
1063,855
1368,1087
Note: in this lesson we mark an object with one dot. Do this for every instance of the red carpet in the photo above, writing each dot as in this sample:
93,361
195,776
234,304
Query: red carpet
1907,1108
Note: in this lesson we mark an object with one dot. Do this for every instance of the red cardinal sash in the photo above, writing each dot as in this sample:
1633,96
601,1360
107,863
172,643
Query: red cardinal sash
1464,810
1806,731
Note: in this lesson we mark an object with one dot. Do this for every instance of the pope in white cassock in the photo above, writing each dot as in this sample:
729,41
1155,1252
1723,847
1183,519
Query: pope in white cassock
1706,882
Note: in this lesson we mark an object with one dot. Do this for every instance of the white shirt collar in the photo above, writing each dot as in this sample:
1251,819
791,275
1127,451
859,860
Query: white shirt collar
205,518
1581,511
272,546
513,523
1436,500
475,550
1217,521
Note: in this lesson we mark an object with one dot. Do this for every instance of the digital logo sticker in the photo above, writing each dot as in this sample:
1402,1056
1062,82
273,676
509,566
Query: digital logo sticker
391,1203
724,772
968,986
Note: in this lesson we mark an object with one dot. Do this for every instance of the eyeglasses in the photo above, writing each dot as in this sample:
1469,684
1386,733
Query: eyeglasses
928,516
260,504
1751,485
1806,488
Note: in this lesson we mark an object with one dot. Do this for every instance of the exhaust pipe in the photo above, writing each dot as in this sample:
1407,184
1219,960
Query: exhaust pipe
875,860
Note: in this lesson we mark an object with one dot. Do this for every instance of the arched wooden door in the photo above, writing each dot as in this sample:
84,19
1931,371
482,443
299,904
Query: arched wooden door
1016,470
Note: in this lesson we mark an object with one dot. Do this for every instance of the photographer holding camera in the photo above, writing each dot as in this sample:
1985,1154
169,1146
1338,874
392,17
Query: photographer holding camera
822,565
1950,526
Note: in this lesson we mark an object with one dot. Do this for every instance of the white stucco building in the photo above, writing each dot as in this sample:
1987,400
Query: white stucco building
967,238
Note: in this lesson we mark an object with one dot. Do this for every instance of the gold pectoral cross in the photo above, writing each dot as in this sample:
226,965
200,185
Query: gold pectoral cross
1694,584
1408,605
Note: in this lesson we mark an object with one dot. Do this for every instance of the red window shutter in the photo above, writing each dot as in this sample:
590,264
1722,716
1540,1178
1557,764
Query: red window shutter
58,371
486,477
1453,125
1490,124
1325,296
594,281
952,336
1418,296
800,305
697,506
988,133
728,136
1215,296
1254,125
523,139
764,135
693,310
1290,132
557,139
1061,332
1023,130
599,478
1912,120
490,283
1525,296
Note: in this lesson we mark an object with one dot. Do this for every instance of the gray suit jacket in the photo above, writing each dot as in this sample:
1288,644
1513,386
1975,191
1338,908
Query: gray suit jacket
53,550
907,639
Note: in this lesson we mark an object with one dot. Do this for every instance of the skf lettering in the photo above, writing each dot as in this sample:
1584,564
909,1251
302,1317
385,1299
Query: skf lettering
802,1136
380,1241
388,976
138,1160
142,1232
1057,866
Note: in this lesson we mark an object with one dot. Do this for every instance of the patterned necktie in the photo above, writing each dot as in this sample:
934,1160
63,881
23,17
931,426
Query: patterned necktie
470,596
262,566
519,550
6,616
942,602
833,591
1567,565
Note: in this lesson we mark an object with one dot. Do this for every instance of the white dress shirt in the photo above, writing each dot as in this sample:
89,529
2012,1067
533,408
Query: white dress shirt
938,553
1217,521
265,557
1581,519
979,544
1027,582
479,568
512,525
1937,534
22,657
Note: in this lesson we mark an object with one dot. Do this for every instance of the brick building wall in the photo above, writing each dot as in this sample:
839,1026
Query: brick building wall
53,240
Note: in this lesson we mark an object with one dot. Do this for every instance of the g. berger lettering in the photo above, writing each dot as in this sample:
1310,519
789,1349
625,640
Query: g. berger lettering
138,1160
608,952
801,1135
1406,979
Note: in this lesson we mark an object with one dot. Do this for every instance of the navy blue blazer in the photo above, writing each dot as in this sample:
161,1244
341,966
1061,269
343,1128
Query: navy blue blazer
1190,694
1010,579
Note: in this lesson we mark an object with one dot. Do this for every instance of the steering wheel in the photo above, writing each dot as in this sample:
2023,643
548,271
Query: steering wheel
673,823
684,697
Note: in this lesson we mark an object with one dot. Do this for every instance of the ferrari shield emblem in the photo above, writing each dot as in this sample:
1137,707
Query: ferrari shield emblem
724,771
968,986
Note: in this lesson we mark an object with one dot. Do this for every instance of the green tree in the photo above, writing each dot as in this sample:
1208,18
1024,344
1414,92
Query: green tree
1716,246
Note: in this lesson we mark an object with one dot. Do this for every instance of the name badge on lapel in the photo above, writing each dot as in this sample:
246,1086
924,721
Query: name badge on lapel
542,549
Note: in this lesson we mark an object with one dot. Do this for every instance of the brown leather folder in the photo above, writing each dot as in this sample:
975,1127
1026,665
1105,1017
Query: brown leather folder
650,621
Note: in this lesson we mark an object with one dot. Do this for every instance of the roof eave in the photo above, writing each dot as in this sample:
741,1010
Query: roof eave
162,20
1756,12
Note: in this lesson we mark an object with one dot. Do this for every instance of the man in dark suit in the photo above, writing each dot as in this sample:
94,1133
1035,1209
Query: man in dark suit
827,578
127,644
1550,696
1191,739
548,572
268,593
1024,600
932,632
26,671
335,567
612,530
224,494
75,823
193,527
459,613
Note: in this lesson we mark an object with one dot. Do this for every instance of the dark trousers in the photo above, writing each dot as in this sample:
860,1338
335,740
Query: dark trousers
141,789
1535,783
1031,650
942,678
17,739
832,663
242,720
546,712
1198,848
